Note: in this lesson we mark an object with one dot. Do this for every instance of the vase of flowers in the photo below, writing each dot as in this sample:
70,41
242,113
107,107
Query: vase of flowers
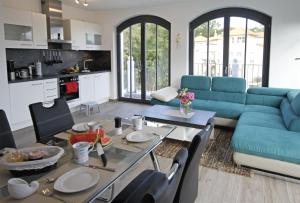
186,99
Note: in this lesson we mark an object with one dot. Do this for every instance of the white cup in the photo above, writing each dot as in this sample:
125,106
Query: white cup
81,151
93,126
137,122
19,188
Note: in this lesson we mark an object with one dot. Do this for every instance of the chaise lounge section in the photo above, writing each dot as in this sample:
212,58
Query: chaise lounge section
266,120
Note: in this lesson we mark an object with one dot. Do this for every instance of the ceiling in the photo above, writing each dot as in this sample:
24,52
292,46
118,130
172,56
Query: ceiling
114,4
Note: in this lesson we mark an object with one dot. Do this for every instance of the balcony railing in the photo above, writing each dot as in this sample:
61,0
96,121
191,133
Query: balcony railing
252,73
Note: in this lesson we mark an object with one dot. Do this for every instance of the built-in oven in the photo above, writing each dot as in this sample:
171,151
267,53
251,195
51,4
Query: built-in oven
69,87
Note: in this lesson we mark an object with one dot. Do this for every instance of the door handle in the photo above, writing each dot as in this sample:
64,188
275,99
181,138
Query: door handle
226,70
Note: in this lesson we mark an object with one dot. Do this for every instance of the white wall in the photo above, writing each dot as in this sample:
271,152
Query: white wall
4,92
285,39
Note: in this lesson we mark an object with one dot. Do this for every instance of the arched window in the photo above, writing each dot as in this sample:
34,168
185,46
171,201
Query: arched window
232,42
143,57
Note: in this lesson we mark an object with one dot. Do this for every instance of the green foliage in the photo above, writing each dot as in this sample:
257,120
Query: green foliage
161,57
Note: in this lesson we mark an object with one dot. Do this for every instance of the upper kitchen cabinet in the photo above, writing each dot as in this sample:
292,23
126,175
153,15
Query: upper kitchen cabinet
74,31
17,28
93,36
39,27
24,29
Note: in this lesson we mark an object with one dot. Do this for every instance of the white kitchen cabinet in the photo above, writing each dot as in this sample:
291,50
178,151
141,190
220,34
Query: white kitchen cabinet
74,31
94,87
86,88
93,36
50,90
39,27
102,87
21,96
18,31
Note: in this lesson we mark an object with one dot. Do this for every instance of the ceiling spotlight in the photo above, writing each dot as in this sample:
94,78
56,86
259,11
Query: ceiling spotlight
85,3
77,1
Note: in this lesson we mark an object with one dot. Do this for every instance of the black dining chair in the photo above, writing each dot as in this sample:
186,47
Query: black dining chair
188,188
155,187
6,136
48,121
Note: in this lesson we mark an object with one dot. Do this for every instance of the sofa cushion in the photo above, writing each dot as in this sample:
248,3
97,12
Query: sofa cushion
271,143
228,97
296,104
222,109
195,82
264,100
228,84
165,94
262,120
262,109
291,120
173,102
268,91
292,94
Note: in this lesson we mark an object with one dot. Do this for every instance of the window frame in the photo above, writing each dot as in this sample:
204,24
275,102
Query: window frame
226,13
142,19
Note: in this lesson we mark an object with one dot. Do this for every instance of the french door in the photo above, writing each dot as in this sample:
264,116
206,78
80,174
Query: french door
233,42
143,46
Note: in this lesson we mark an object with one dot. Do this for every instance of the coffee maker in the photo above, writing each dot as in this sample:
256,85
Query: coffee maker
11,69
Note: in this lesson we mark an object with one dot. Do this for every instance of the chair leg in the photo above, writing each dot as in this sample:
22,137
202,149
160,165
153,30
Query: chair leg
154,161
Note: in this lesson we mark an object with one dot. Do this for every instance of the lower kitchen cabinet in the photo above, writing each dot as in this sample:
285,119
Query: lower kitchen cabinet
25,93
21,95
94,87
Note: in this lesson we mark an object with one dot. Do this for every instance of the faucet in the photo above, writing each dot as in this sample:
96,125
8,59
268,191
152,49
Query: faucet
85,69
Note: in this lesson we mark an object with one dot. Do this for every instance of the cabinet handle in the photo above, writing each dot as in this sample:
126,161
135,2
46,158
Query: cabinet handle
41,45
37,84
51,96
52,82
26,44
51,89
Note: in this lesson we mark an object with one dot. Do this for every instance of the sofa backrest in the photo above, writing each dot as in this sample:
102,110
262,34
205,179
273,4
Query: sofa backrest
228,89
200,85
266,96
291,113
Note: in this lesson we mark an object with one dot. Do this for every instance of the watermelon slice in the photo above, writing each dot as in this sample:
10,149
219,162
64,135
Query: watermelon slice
92,137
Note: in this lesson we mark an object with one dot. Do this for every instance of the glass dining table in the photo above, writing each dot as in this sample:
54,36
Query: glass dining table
122,156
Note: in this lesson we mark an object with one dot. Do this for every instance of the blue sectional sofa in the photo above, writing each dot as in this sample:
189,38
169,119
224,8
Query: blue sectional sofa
266,120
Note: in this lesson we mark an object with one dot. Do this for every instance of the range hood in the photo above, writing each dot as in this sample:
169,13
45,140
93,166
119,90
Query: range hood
55,28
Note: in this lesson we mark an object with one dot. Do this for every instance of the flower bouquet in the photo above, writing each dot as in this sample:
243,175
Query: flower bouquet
186,99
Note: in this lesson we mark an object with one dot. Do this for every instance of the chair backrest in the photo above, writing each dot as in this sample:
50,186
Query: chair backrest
49,121
6,136
155,187
167,192
188,188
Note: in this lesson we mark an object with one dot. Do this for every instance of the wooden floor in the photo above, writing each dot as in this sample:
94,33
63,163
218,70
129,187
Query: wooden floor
214,186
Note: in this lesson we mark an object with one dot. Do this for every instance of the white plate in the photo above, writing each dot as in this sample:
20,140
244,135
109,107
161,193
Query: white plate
80,127
139,136
77,180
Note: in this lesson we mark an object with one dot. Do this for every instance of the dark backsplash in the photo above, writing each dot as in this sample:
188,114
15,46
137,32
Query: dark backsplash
26,57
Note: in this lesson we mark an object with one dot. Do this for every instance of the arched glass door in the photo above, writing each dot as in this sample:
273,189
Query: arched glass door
143,44
232,42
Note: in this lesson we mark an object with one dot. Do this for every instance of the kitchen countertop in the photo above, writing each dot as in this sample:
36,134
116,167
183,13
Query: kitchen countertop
44,77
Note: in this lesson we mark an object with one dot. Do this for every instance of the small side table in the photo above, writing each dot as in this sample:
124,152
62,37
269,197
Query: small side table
89,106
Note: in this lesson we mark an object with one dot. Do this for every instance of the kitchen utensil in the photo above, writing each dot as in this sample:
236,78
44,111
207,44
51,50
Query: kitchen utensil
137,122
81,151
30,69
19,188
101,168
10,65
22,73
50,193
77,180
138,136
12,75
38,68
80,127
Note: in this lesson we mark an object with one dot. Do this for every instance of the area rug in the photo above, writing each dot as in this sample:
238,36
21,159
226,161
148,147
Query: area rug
217,155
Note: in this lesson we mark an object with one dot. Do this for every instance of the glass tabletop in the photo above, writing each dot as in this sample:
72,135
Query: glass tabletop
121,156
